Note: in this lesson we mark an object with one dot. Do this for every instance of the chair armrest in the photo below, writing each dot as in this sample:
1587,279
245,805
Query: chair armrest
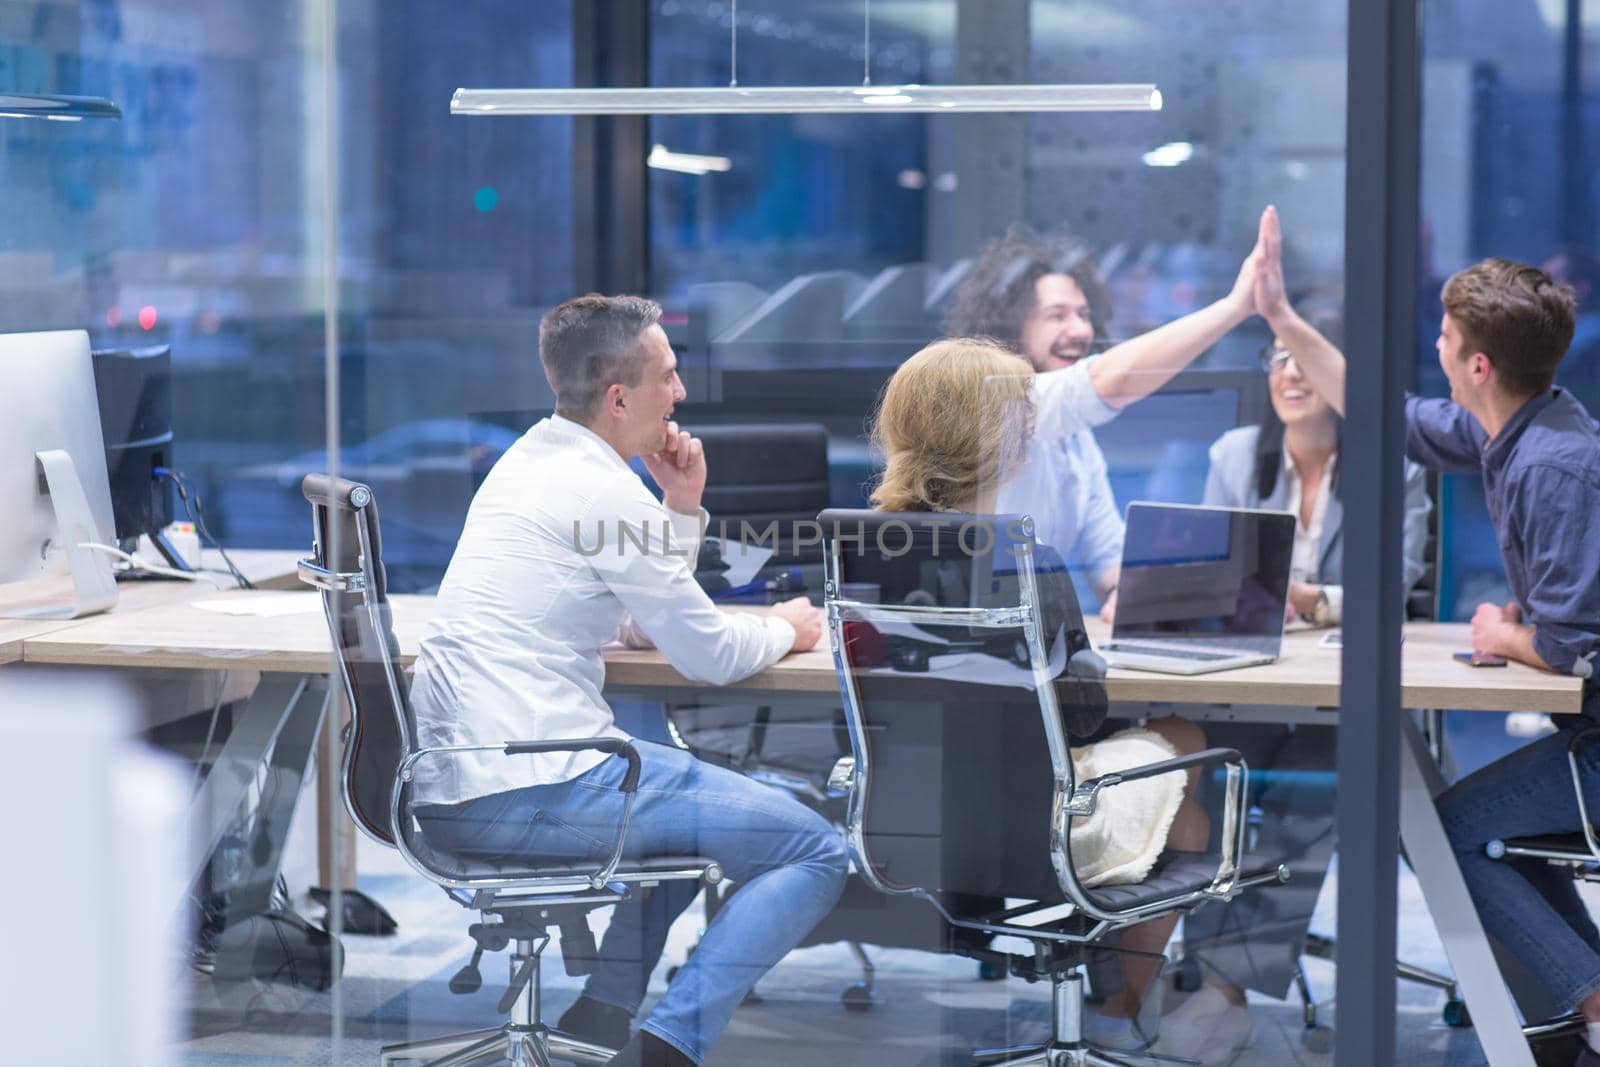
1580,737
615,746
842,779
1224,884
1086,793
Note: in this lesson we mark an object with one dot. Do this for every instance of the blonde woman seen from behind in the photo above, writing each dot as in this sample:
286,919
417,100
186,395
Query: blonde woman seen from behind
954,425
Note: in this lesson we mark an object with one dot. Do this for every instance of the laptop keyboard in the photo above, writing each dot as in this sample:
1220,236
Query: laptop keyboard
1168,653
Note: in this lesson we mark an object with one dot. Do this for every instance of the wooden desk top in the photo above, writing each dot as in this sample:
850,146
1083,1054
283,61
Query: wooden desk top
181,635
178,634
267,568
1306,676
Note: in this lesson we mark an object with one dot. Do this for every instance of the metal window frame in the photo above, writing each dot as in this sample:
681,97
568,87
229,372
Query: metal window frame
1382,149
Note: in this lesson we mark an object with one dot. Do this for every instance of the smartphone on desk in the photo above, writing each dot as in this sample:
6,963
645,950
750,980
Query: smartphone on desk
1481,659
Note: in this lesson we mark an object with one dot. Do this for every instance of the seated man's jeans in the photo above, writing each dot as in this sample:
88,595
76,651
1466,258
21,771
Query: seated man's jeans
789,862
1532,908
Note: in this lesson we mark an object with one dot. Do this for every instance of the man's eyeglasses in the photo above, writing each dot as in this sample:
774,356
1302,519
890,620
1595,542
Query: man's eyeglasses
1274,357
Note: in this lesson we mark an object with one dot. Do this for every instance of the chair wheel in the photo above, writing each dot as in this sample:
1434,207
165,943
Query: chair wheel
989,971
857,997
1456,1014
1318,1039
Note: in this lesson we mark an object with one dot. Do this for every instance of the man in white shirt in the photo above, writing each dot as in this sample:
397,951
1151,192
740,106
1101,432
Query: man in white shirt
564,550
1043,297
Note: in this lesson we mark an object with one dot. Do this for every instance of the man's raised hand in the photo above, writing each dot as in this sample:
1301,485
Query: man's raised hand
680,470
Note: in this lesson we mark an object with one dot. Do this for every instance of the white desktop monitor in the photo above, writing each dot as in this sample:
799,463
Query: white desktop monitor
48,403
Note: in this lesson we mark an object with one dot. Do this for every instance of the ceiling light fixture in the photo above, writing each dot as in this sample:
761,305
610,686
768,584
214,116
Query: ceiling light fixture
841,99
58,108
663,158
734,99
1172,154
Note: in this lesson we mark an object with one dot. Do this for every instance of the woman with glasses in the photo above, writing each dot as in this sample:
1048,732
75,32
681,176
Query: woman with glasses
1289,461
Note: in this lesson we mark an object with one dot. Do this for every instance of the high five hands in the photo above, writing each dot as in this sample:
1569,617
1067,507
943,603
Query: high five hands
1261,273
1267,289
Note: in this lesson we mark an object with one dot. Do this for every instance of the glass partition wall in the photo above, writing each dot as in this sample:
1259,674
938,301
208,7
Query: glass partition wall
800,263
187,233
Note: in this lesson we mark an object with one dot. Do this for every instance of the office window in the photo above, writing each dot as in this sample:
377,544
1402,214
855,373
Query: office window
773,253
800,260
197,221
456,235
1511,127
190,222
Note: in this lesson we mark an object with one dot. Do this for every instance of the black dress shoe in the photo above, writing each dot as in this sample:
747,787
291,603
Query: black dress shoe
597,1022
648,1050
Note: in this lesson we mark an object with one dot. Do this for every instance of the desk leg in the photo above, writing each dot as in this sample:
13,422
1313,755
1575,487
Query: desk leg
1477,975
278,700
336,838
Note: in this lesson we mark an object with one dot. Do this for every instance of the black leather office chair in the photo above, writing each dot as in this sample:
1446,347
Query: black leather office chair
1577,853
961,790
760,473
517,907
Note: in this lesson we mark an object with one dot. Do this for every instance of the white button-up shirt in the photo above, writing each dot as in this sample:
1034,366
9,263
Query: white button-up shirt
564,551
1306,563
1063,483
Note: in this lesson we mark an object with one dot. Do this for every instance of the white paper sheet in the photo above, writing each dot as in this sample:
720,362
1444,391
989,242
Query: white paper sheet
744,561
264,605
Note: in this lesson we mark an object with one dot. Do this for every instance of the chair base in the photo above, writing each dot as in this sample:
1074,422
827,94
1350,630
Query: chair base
1060,1055
521,1046
1067,1048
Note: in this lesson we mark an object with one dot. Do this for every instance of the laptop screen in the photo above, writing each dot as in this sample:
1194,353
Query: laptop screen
1205,574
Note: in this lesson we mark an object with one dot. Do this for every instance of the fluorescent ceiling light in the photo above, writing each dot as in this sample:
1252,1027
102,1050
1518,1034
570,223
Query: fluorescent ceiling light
1169,155
830,99
60,108
663,158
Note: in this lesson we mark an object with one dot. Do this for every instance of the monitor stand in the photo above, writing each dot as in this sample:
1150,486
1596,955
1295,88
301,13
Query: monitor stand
94,586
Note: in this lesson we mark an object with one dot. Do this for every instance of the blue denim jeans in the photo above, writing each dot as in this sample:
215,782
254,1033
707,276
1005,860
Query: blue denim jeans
1530,907
789,862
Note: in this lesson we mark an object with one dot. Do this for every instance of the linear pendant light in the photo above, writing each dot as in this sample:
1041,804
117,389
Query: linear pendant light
842,99
57,108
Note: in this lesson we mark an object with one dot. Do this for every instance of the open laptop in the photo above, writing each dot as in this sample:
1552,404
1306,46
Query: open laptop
1202,589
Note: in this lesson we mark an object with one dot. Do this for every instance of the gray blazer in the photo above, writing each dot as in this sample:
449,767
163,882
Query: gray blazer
1231,483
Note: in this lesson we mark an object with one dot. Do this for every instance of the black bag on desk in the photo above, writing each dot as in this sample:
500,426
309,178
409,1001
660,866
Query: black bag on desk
710,568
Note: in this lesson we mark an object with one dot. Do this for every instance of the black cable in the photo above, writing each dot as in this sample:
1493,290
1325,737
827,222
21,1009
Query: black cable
197,515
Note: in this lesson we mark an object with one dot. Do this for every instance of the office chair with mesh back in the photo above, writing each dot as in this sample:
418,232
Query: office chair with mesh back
962,790
517,908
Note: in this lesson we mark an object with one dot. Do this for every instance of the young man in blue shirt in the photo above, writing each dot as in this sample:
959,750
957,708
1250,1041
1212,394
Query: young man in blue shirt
1506,327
